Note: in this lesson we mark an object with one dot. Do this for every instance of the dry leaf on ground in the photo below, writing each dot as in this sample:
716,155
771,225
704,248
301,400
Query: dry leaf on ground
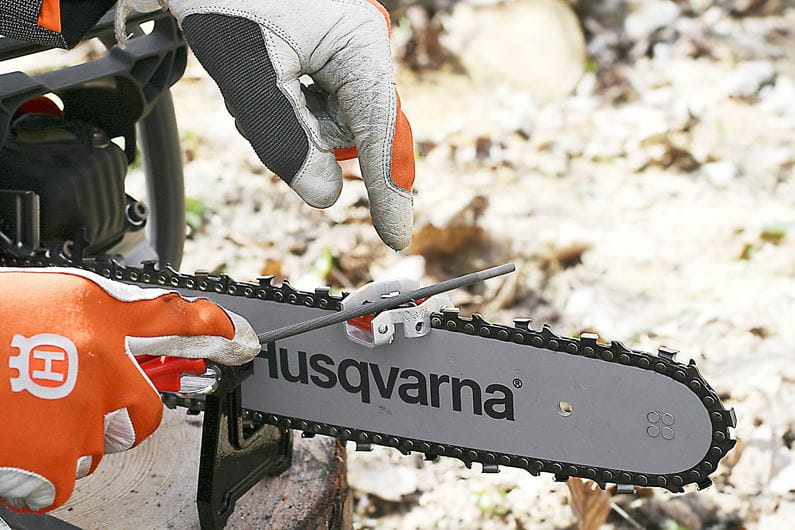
590,504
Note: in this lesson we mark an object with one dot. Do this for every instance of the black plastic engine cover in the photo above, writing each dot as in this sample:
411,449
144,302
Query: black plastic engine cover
76,171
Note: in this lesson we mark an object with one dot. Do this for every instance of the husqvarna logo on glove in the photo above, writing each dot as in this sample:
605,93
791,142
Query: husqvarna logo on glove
47,365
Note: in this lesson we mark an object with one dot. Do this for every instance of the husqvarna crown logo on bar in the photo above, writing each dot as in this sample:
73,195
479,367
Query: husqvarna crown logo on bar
47,365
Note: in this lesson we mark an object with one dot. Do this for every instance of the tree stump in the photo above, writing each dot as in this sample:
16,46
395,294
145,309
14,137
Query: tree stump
154,486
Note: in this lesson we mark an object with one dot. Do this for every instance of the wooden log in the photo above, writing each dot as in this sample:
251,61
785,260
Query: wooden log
154,486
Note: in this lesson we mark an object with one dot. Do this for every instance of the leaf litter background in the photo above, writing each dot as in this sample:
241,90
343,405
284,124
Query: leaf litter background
635,159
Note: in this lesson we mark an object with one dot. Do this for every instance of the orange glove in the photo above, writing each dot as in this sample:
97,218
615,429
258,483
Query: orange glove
70,388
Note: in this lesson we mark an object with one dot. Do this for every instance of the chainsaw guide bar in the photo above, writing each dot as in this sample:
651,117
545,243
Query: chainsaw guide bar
480,392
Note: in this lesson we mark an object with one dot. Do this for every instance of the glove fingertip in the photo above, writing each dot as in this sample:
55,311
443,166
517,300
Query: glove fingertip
396,240
85,466
24,489
120,432
243,347
395,223
245,344
319,183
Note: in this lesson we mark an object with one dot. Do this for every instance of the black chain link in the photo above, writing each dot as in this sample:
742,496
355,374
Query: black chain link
663,363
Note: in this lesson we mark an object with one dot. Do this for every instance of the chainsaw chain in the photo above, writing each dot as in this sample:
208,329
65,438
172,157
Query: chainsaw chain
449,320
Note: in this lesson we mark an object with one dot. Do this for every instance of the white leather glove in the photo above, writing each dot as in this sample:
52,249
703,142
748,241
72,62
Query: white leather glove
257,50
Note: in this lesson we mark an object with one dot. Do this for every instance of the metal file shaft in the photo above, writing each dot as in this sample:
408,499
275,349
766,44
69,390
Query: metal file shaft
384,305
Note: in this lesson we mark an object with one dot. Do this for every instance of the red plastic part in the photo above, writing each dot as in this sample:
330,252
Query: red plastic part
40,105
165,372
365,323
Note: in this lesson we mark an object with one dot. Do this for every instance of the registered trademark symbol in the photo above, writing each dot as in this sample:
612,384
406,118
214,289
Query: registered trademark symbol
517,383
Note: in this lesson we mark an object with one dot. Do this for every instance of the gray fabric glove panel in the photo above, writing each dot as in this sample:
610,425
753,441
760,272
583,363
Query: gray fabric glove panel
26,11
19,20
233,51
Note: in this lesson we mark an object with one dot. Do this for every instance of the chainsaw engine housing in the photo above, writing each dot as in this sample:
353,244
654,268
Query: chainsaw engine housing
69,175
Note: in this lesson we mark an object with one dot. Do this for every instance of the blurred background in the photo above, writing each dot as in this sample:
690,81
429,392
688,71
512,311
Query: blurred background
635,159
